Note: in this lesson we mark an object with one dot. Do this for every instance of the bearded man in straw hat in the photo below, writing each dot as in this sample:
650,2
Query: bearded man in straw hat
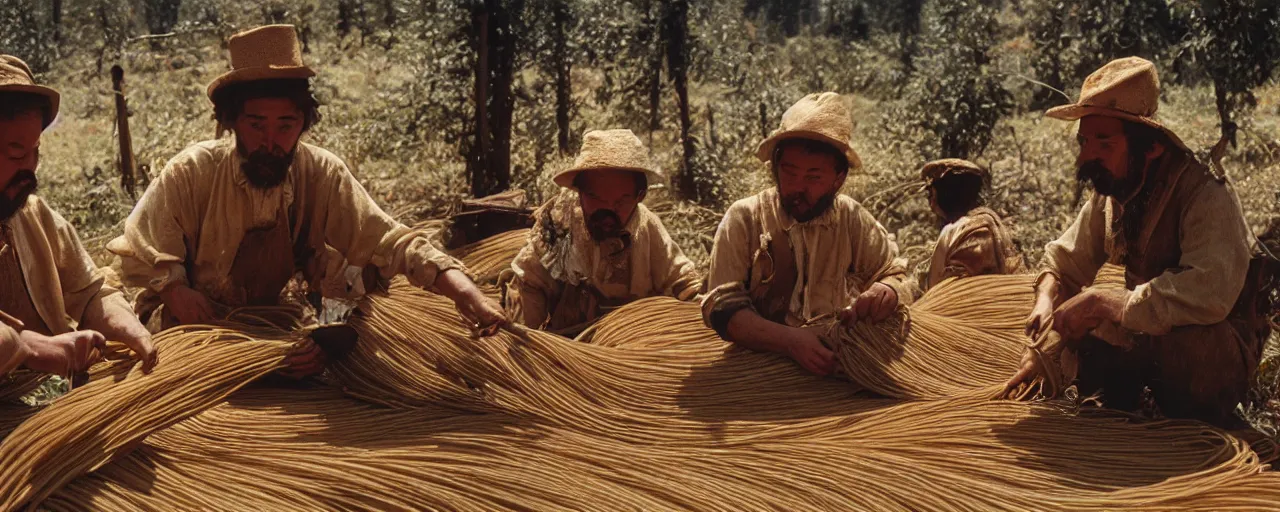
1185,324
54,308
801,250
595,247
230,221
974,240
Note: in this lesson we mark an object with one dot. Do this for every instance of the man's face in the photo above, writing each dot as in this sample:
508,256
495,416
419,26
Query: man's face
609,198
1104,162
807,182
267,133
20,141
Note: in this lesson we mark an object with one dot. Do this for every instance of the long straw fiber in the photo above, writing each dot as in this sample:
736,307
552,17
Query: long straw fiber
648,410
88,427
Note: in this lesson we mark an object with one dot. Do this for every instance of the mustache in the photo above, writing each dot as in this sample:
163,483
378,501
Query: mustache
26,178
800,209
604,224
1093,176
267,168
16,191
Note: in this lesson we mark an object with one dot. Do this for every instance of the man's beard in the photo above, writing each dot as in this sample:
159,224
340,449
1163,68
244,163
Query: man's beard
264,168
15,193
799,208
604,224
1094,176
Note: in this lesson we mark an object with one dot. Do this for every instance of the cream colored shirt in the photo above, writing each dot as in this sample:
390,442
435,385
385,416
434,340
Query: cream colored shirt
974,245
838,256
1215,243
194,215
653,265
62,279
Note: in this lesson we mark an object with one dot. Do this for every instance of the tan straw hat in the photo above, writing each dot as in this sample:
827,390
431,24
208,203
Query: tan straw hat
1127,88
610,149
15,76
263,53
936,169
821,117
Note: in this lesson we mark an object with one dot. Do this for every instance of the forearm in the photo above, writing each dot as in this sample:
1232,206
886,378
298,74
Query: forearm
455,284
1048,288
110,314
750,330
13,352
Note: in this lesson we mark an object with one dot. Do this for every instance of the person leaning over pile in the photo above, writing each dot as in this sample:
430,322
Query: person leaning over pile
595,247
802,250
55,311
973,241
230,221
1185,324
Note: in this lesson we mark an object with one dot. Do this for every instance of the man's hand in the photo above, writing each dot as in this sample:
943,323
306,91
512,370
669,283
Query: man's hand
483,313
65,354
1085,312
140,344
875,304
1028,371
807,350
187,305
306,360
1040,316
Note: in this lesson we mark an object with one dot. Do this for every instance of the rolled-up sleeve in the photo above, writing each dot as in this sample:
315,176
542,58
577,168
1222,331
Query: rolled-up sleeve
359,229
731,255
533,287
153,249
673,272
1075,257
1215,247
876,259
12,352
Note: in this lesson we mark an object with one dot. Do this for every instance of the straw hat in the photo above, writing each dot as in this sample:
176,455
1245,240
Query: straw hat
821,117
1127,88
610,149
936,169
263,53
15,76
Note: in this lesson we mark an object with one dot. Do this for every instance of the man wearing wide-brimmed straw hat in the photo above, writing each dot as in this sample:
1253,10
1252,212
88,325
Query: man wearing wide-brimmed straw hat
596,246
55,310
801,250
974,240
230,221
1185,324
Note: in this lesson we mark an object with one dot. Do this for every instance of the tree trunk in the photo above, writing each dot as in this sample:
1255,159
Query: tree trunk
910,31
676,28
344,17
495,46
389,18
655,68
55,19
561,19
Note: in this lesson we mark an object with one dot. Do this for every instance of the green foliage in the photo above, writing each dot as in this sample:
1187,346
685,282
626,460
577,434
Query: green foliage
954,99
1074,38
27,34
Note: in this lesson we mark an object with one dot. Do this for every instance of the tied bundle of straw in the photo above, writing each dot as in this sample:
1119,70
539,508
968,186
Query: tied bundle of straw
120,406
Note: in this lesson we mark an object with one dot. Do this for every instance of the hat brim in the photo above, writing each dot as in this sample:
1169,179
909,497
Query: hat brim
54,97
1076,112
565,178
765,151
255,74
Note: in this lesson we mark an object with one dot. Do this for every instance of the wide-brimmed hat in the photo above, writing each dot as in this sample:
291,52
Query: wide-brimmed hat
15,76
610,150
936,169
264,53
1127,89
821,117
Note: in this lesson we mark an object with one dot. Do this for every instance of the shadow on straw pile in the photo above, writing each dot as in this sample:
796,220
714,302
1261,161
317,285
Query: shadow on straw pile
1105,450
746,386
